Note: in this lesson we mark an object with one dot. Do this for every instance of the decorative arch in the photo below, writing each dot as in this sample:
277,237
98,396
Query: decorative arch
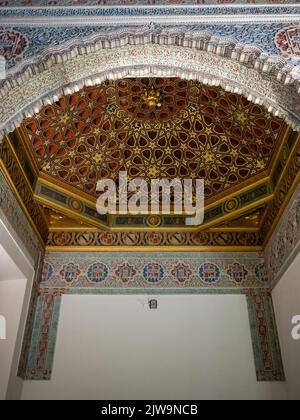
266,80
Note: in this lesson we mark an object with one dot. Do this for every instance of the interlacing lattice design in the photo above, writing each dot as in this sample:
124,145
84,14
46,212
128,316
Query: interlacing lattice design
198,132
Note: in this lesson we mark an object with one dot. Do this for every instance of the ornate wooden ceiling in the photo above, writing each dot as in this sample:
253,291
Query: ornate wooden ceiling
198,132
247,157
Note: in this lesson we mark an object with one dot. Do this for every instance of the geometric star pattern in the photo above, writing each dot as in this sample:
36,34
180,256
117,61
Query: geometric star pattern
198,132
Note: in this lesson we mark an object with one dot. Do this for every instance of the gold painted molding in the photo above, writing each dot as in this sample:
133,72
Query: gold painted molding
48,203
279,150
145,248
287,163
20,201
87,199
204,226
282,209
21,136
289,194
93,229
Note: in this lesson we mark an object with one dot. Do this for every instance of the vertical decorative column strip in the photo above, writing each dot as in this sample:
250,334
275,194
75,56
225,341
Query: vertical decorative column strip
44,331
27,342
26,346
266,347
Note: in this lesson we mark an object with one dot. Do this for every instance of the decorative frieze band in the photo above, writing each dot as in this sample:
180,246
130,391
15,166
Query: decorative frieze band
154,270
153,239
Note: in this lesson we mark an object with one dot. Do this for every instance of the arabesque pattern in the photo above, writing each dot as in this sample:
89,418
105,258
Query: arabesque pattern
199,132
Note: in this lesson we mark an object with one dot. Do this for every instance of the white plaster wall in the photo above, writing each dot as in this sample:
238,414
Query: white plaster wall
11,302
16,277
8,269
192,347
12,290
286,297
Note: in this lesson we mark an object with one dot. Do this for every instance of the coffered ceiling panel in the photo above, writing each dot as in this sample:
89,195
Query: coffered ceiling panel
197,132
248,159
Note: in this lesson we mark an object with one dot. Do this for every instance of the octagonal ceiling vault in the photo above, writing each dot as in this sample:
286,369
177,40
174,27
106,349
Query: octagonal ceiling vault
241,151
198,132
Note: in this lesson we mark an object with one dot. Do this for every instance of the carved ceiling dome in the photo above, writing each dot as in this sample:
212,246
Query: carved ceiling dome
175,93
197,132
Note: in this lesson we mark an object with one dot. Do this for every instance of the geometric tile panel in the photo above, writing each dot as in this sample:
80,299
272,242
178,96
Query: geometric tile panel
143,270
265,342
39,354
